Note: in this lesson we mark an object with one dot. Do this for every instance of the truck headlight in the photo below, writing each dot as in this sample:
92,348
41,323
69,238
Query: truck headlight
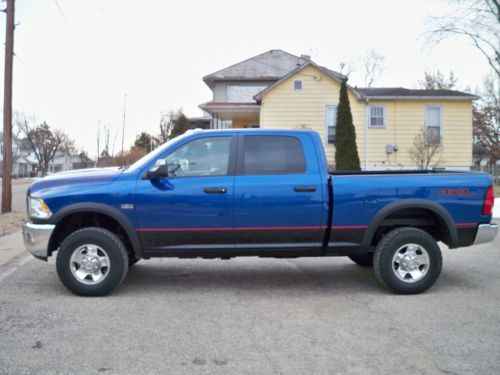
38,209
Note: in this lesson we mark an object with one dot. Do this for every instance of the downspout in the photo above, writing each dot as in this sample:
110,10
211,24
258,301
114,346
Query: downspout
366,135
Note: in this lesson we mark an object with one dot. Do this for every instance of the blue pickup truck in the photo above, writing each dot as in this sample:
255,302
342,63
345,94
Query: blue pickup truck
228,193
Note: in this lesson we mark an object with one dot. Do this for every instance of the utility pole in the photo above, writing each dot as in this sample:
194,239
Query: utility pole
7,111
124,115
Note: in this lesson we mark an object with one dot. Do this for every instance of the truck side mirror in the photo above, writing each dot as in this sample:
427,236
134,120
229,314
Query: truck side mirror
160,170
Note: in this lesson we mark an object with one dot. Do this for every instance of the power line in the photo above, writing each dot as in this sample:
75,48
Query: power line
59,9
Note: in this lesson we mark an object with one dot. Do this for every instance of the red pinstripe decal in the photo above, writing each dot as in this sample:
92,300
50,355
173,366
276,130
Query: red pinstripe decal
181,229
226,229
247,228
349,226
466,224
278,228
268,228
76,181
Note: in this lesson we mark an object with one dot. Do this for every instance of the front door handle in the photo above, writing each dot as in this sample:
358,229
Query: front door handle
303,189
215,190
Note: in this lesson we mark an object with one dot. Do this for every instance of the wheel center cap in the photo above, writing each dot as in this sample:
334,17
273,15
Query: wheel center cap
409,262
91,263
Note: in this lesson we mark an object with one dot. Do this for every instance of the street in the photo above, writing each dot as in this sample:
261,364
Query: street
19,188
253,316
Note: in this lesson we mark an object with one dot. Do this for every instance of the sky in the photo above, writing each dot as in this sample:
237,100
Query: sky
77,59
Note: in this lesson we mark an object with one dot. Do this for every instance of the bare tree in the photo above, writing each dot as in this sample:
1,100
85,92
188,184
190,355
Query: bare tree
486,118
166,125
44,142
475,20
373,66
172,124
98,143
346,68
107,138
426,151
85,161
438,81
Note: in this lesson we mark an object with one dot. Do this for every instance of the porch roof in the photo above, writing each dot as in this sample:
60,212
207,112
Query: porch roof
229,111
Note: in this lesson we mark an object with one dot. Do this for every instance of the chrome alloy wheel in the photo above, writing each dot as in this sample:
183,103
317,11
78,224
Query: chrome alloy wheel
410,263
89,264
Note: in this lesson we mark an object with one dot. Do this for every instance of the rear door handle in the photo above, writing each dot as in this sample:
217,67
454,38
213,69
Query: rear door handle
215,190
302,189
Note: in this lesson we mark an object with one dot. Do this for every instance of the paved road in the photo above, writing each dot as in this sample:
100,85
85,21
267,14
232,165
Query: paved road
18,197
254,316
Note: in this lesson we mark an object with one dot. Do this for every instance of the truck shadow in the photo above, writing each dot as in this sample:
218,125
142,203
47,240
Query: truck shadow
328,276
258,276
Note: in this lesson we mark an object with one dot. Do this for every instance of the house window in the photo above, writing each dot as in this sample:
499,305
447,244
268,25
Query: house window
433,125
376,116
297,84
331,123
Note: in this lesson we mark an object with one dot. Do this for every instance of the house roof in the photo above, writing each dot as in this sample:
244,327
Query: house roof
330,73
270,65
277,65
402,93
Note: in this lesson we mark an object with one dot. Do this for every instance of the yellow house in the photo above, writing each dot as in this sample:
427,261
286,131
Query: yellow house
277,90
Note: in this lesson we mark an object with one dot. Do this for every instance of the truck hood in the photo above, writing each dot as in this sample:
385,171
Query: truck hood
77,177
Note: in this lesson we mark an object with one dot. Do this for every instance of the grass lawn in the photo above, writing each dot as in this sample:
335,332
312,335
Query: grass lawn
11,222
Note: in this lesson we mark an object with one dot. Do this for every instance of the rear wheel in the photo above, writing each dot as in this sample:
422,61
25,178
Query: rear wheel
407,261
365,260
92,262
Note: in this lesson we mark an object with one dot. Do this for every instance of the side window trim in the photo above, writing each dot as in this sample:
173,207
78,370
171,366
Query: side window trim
428,107
331,107
240,156
369,116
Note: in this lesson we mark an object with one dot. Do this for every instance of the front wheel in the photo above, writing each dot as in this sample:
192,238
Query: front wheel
407,261
92,262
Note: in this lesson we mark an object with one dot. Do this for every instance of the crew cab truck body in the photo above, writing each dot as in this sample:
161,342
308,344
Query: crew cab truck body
227,193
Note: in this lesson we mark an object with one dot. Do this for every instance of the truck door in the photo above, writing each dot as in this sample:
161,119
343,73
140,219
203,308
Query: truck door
192,209
278,201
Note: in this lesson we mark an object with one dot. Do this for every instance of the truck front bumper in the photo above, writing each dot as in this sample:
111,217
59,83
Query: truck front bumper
36,239
485,233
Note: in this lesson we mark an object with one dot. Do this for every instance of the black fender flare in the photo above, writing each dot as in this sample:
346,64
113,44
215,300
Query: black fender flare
105,210
434,207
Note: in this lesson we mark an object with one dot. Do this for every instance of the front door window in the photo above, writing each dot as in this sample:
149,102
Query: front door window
201,157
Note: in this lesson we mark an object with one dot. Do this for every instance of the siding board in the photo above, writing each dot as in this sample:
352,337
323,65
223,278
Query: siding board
284,108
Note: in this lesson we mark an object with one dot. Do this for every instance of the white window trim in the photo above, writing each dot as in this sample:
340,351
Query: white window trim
368,116
326,123
301,85
440,121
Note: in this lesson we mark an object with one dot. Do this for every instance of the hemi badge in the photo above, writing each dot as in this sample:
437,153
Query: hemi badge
127,206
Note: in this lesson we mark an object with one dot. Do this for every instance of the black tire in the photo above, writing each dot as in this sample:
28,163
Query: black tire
105,241
386,269
364,260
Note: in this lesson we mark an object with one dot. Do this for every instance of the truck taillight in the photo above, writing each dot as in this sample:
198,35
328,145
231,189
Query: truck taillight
489,200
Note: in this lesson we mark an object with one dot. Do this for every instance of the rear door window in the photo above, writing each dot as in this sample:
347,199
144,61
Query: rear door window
264,155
